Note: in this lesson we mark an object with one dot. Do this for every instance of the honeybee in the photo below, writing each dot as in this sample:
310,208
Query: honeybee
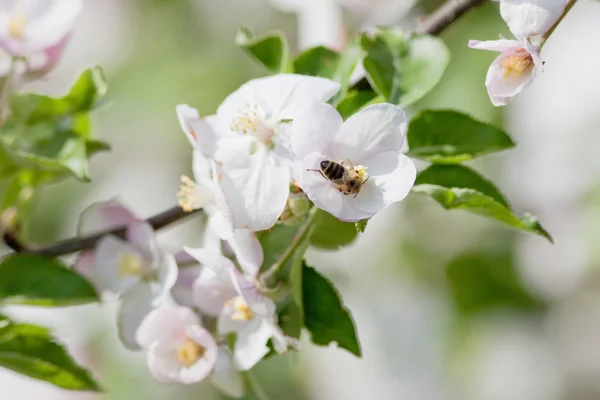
342,176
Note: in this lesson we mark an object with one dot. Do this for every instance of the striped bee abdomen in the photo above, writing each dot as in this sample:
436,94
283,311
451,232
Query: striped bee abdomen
332,170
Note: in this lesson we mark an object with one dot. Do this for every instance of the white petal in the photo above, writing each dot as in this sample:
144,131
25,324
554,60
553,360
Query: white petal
251,344
202,368
317,188
501,45
225,377
530,17
165,324
104,216
201,166
248,250
350,211
216,262
52,26
375,129
162,361
499,85
142,236
167,271
225,324
182,290
136,303
211,292
392,175
314,130
105,273
258,303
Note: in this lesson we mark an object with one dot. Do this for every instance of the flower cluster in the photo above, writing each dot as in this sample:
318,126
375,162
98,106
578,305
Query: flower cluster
519,62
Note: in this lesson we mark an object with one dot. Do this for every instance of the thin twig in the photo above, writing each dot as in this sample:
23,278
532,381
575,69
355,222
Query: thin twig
68,246
444,16
11,241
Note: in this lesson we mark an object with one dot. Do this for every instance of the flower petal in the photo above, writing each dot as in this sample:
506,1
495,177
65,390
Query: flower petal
167,271
258,303
162,361
226,324
165,324
251,344
141,235
501,45
375,129
531,17
314,130
501,86
211,292
214,261
136,303
317,188
202,368
106,271
182,290
248,250
225,377
104,216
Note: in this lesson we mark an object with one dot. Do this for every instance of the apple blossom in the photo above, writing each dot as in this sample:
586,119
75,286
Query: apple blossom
179,348
527,18
371,139
244,310
135,268
37,30
512,71
247,137
225,377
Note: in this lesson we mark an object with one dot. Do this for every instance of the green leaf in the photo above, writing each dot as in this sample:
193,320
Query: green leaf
89,89
291,320
478,203
403,68
40,281
361,225
31,350
450,137
355,100
459,176
330,233
327,319
270,50
275,242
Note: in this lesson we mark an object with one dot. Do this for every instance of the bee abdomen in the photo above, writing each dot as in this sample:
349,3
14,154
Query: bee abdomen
332,170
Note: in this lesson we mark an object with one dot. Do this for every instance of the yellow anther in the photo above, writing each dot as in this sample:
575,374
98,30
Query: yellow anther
188,195
362,172
516,64
129,264
190,352
242,311
18,19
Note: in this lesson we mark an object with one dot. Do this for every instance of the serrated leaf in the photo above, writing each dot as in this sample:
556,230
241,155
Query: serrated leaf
330,233
31,350
270,50
476,202
450,137
40,281
403,68
327,319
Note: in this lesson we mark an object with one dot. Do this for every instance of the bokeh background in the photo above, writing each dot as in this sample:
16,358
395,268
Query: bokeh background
448,306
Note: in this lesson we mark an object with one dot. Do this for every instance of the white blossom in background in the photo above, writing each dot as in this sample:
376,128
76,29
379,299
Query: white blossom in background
243,310
371,140
36,31
179,349
135,268
512,71
527,18
247,138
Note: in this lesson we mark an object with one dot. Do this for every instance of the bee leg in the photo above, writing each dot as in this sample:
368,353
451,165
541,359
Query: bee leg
361,186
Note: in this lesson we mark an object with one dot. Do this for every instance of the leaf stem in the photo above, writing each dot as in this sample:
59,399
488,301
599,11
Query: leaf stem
568,7
255,386
294,244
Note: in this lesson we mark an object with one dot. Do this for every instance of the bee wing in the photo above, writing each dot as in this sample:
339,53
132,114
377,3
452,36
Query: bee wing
346,163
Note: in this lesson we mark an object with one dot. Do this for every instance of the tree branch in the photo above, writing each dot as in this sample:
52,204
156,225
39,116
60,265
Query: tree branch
444,16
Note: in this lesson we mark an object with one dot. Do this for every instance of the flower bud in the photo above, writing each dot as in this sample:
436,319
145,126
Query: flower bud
295,209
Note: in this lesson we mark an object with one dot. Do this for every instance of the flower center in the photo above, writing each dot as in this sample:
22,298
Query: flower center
516,64
190,352
17,19
242,311
191,196
362,172
249,122
129,264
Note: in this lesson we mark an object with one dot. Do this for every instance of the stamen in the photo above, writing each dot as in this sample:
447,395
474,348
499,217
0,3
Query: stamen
242,311
516,64
190,196
190,352
249,122
129,264
362,172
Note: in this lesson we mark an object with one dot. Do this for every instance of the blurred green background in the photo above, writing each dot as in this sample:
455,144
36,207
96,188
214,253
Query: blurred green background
447,305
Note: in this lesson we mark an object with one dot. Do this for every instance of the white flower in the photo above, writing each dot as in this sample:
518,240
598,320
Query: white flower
135,268
37,30
247,138
527,18
512,71
371,140
225,377
244,310
179,349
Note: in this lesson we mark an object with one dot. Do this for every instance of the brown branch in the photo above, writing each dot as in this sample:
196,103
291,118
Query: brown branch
11,241
68,246
444,16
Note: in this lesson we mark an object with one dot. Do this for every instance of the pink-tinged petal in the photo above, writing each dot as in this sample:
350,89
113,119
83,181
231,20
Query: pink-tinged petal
251,344
104,216
85,263
258,303
167,272
531,17
162,361
106,273
314,131
202,368
535,55
210,292
226,324
247,250
499,101
501,45
142,236
182,291
187,116
392,175
499,84
165,324
375,129
225,377
216,262
54,23
136,304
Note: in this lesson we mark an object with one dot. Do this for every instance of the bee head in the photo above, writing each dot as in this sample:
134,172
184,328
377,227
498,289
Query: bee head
324,164
352,183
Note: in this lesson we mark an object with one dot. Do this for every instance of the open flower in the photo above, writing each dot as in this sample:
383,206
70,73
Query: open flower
247,138
368,145
244,311
136,268
512,71
527,18
37,30
179,349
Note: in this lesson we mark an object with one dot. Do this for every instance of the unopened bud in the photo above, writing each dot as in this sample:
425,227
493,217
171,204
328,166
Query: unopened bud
295,209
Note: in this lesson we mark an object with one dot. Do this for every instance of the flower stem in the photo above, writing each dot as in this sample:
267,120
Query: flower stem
255,386
295,243
568,7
